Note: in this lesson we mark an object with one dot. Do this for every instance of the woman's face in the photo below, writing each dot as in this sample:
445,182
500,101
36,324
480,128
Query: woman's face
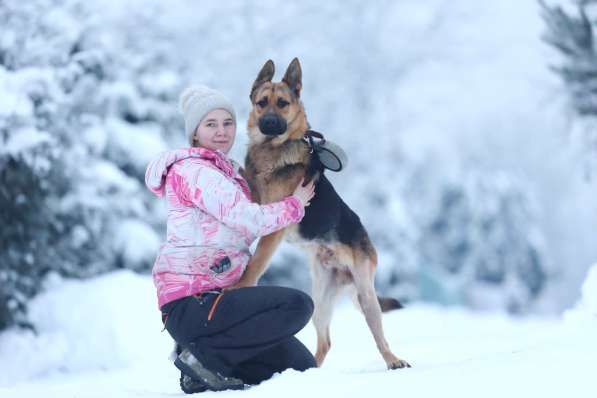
216,131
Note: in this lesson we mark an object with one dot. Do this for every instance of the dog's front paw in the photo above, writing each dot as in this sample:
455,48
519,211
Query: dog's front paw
398,363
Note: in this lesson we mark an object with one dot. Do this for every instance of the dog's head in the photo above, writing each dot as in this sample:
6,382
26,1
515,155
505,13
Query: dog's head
277,113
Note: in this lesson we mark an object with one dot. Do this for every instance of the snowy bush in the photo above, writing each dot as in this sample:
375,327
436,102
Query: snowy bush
572,34
81,113
479,243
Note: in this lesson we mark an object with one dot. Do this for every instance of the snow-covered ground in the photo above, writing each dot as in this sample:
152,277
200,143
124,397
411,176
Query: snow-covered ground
101,338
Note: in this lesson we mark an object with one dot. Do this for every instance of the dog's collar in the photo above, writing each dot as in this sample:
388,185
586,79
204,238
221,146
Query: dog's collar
308,137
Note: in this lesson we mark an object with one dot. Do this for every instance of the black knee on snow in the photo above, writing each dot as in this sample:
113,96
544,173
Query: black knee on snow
306,362
301,304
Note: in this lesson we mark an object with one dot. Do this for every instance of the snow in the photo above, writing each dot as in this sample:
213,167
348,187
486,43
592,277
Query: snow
82,326
13,100
452,85
101,338
585,311
136,241
25,139
106,175
137,144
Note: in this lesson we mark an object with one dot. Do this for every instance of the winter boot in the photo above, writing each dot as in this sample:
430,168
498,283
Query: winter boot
190,386
191,366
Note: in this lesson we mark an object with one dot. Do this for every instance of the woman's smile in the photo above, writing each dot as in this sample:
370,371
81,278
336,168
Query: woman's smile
216,131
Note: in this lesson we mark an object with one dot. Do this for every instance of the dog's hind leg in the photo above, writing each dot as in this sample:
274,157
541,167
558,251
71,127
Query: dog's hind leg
325,290
386,303
363,271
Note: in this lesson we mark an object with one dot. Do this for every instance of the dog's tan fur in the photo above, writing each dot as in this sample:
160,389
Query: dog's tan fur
273,168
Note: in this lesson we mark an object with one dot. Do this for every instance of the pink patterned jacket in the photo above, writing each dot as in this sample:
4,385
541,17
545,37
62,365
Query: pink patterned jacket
211,221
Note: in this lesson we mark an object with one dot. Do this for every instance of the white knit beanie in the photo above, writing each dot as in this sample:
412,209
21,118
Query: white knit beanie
197,101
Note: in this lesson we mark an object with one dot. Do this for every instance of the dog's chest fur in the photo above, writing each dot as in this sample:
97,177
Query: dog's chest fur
274,171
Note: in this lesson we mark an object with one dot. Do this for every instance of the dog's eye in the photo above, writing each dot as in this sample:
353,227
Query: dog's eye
282,103
262,103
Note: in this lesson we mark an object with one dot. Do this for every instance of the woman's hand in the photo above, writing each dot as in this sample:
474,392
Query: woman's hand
306,193
243,282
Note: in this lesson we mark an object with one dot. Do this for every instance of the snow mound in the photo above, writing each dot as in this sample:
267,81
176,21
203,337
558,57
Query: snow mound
108,322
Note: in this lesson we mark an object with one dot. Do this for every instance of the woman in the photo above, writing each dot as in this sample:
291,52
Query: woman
227,336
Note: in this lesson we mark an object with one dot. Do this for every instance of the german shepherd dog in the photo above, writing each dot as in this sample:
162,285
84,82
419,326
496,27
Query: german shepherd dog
341,253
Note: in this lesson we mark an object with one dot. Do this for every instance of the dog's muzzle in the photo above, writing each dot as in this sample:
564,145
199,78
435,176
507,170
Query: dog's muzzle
272,124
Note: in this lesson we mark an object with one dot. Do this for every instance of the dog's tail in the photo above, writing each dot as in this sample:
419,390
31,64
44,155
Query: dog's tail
389,304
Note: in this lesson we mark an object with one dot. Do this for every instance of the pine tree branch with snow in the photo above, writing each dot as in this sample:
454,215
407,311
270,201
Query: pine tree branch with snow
573,37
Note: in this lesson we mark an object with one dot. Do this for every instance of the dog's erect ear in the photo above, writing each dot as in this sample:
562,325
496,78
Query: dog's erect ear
266,74
294,76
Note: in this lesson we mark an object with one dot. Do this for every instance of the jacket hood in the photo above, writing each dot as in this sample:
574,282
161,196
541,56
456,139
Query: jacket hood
155,175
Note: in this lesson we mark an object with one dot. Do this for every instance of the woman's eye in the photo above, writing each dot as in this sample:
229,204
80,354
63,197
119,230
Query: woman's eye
228,124
282,103
262,103
211,125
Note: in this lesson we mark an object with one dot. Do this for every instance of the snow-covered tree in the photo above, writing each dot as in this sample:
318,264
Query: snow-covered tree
573,35
82,112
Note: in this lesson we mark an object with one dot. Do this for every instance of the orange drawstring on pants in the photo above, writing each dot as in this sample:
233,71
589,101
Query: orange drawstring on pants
213,307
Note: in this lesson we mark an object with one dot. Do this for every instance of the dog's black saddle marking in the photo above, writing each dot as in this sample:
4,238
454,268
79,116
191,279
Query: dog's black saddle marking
328,218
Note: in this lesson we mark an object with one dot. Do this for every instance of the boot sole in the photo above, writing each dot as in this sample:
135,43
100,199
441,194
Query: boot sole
212,381
191,386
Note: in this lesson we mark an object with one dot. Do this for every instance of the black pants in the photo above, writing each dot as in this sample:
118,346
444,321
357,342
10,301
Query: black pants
249,333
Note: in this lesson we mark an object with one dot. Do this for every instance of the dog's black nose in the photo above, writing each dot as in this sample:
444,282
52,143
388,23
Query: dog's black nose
272,124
